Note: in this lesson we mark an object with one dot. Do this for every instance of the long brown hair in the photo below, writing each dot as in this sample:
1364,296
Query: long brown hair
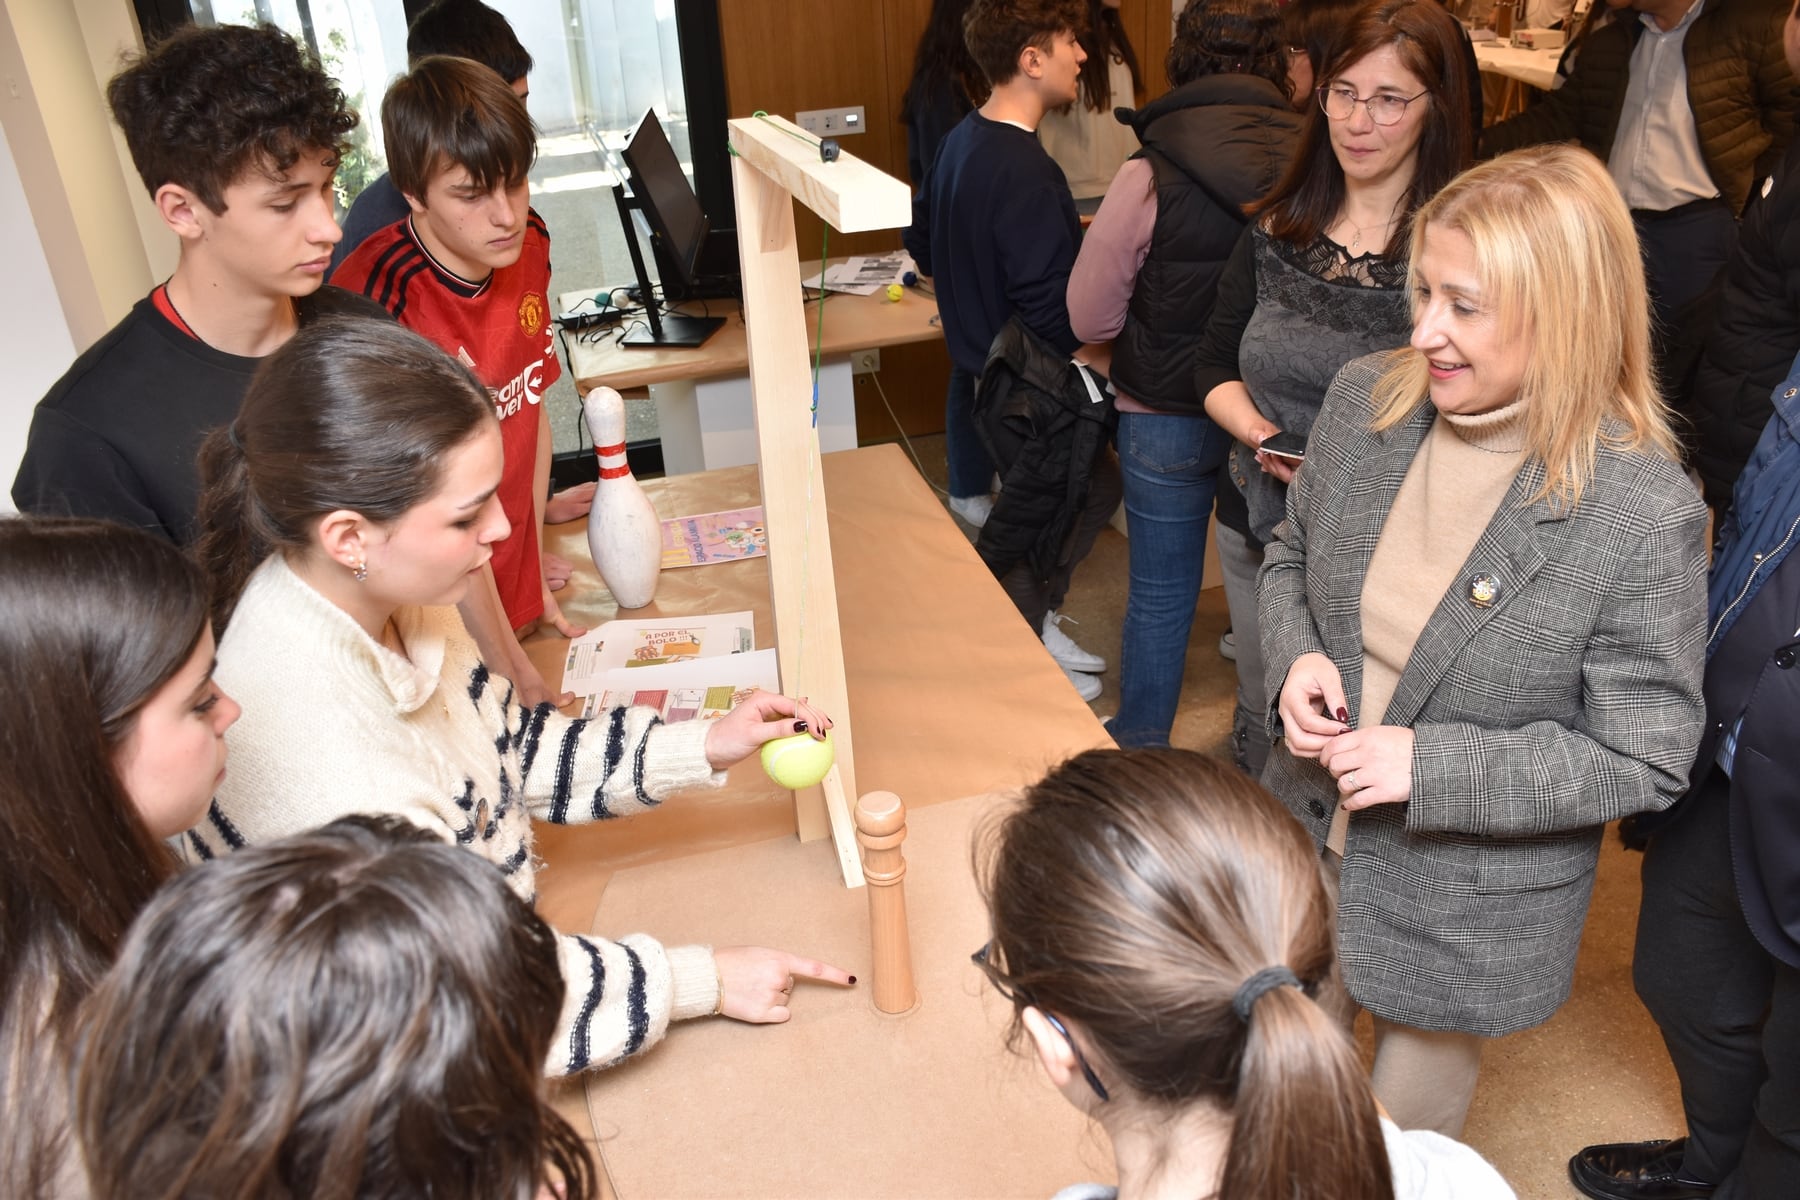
352,413
1133,893
94,618
1307,199
363,1010
1104,38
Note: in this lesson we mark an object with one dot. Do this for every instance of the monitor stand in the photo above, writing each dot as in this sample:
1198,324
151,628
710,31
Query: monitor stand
664,329
675,330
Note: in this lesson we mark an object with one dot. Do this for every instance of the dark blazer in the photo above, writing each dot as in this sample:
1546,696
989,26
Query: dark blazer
1739,87
1574,699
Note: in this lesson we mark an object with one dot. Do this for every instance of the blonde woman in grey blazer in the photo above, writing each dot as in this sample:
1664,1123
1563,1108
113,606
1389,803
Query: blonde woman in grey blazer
1484,618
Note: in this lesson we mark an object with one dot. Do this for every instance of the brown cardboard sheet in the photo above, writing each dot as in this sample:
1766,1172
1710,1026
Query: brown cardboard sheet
951,693
841,1100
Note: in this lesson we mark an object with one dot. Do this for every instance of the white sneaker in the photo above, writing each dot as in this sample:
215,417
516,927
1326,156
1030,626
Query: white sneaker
1086,686
1067,654
1228,645
973,509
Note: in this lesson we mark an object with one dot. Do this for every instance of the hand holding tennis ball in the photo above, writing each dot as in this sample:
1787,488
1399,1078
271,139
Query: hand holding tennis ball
799,761
762,717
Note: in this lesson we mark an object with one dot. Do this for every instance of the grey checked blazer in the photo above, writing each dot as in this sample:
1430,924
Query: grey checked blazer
1573,700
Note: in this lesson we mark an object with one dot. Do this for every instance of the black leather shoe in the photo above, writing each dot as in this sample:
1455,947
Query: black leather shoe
1635,1171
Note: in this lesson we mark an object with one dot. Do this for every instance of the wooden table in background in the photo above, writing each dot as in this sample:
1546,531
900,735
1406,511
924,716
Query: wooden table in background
702,394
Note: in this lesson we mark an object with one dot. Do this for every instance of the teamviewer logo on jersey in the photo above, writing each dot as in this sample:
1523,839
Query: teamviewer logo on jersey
531,314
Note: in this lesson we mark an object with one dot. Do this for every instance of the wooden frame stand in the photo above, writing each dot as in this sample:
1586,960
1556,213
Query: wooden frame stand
773,162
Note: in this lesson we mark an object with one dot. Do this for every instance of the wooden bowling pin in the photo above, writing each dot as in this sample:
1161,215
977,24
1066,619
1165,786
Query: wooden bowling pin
880,828
623,532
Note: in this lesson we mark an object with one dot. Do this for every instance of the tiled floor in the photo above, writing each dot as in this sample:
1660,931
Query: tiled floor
1595,1072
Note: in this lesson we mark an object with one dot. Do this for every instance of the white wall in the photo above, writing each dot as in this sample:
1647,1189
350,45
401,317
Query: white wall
35,343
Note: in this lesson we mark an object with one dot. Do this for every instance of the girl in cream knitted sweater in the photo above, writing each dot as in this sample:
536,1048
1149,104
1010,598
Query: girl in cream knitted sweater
345,512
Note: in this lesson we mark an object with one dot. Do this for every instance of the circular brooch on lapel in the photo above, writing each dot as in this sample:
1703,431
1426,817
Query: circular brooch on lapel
1483,590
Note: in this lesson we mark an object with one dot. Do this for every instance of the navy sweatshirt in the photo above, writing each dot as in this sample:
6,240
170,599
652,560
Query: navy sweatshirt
995,228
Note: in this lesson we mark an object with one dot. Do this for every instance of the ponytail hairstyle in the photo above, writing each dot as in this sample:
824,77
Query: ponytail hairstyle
363,1010
1133,894
352,413
94,619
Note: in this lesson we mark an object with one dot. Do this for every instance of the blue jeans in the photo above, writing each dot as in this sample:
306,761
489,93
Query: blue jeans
1170,465
971,470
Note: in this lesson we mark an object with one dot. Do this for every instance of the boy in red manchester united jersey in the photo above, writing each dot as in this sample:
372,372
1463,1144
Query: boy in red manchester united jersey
470,269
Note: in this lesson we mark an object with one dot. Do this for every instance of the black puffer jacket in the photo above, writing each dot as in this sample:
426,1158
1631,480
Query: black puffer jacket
1739,88
1045,428
1215,145
1754,338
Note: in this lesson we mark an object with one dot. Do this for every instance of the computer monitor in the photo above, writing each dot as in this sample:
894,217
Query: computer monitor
665,197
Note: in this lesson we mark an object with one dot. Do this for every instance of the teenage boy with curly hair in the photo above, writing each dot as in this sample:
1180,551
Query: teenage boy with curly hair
236,132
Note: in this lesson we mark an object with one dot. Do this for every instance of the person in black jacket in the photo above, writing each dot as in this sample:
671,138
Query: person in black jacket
1215,143
1756,329
1717,960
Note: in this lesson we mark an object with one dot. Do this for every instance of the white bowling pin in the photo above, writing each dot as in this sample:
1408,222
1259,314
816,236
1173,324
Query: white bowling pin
624,534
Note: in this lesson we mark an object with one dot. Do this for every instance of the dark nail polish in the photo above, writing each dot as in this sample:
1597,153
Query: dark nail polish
853,979
799,726
1343,714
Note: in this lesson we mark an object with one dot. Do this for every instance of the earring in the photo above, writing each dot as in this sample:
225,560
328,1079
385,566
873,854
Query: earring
360,572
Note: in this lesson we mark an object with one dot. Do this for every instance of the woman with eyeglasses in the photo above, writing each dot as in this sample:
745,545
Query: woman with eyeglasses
1319,279
1162,931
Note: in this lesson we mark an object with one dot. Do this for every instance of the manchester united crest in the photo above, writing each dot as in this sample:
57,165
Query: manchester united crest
531,314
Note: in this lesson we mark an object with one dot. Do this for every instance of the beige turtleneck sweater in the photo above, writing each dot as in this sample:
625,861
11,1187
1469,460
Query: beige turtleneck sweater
1453,488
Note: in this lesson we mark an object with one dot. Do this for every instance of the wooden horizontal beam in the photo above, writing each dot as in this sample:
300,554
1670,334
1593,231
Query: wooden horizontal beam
849,194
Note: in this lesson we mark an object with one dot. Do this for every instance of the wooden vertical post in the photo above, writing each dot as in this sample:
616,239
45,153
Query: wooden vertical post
774,161
881,828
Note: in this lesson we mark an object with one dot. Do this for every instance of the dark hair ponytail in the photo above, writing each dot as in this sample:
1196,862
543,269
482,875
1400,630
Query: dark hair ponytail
352,413
1135,893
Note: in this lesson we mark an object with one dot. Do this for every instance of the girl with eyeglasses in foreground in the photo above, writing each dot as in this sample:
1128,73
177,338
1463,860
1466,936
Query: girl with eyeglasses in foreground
1161,927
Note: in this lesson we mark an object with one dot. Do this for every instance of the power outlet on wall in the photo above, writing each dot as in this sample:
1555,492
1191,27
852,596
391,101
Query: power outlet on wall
865,362
832,122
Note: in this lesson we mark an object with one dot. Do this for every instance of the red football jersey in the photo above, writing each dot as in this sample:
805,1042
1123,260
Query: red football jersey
499,328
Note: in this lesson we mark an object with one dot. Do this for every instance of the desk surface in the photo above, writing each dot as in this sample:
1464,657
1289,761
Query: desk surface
1535,67
951,693
851,323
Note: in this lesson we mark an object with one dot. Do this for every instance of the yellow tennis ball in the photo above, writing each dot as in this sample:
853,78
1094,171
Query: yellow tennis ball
895,291
798,761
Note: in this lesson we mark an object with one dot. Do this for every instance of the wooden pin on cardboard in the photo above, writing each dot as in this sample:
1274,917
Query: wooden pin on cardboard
880,829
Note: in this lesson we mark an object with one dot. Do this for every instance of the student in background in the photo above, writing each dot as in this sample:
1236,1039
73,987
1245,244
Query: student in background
945,85
1085,138
111,730
243,178
348,508
1145,280
996,228
461,29
1162,934
469,268
358,1011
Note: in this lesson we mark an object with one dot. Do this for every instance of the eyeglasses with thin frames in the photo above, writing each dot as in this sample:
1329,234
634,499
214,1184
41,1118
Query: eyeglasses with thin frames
1019,996
1339,103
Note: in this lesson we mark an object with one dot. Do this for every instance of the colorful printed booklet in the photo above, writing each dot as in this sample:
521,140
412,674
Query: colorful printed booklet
701,688
714,538
683,667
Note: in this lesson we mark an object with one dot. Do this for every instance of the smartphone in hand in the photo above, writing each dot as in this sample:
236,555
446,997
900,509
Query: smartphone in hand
1290,446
